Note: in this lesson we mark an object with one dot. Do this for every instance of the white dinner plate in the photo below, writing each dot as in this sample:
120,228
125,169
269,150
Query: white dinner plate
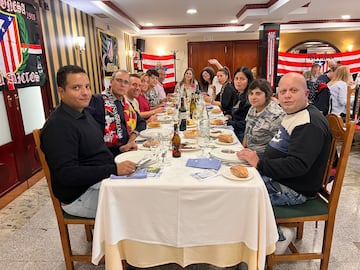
227,155
189,148
227,174
215,132
224,143
143,148
191,126
165,118
133,156
151,133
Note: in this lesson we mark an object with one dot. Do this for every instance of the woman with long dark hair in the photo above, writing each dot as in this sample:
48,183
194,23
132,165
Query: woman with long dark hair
242,78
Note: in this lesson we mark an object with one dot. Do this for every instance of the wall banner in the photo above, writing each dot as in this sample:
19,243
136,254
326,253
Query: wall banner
21,60
109,53
300,62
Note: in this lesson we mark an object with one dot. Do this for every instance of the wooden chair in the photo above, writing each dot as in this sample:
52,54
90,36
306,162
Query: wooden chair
62,217
324,207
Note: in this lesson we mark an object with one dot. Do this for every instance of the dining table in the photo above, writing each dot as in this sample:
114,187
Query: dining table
175,217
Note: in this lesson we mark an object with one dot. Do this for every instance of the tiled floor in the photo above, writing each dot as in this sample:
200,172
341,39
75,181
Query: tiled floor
29,237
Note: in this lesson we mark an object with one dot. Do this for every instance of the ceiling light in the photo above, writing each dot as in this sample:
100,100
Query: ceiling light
345,17
149,24
191,11
234,21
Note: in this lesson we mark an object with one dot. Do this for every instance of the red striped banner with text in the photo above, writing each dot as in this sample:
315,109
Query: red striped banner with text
300,62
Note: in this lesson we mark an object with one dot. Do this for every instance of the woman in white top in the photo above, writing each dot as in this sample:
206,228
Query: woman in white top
338,89
188,85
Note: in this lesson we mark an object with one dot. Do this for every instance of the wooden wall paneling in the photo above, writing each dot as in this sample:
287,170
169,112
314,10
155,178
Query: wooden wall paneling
200,52
245,53
229,53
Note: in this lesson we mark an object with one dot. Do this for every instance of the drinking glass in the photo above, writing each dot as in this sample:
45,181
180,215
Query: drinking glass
165,146
155,148
204,136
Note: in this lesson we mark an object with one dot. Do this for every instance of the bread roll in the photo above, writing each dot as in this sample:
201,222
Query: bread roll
153,124
150,143
216,110
217,122
239,171
190,122
190,133
225,138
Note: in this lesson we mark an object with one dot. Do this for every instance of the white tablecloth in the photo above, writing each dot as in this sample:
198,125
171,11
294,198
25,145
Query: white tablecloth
179,211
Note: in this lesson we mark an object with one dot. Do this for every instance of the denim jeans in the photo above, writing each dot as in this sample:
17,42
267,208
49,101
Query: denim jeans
282,195
86,204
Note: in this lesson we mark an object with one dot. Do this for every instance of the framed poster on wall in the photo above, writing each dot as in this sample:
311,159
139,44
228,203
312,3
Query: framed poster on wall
109,53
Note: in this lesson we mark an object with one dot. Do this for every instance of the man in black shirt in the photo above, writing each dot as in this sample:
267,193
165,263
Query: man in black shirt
74,147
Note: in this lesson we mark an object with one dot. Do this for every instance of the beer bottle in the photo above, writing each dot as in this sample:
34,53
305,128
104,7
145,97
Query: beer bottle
176,143
192,105
182,115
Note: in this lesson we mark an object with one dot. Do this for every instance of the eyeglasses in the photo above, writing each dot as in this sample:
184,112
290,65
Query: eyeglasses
119,80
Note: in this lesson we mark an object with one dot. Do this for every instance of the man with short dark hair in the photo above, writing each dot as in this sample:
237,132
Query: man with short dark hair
151,94
74,148
313,73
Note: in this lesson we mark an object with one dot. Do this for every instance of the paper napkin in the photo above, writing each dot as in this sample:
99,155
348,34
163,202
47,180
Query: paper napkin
204,163
139,173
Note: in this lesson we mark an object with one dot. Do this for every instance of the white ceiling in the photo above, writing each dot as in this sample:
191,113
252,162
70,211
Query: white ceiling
169,16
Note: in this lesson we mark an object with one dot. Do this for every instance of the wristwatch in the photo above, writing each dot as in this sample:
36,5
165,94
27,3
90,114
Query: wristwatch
135,132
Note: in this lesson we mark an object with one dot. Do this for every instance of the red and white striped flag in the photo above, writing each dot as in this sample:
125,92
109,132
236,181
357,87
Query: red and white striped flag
299,62
166,61
10,57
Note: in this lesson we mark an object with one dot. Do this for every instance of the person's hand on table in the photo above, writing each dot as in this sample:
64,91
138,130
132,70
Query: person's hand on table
159,110
152,118
126,167
130,146
249,155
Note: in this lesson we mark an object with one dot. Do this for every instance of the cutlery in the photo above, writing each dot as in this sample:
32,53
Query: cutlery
142,162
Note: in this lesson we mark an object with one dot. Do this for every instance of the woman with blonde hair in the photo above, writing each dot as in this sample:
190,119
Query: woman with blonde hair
188,85
338,89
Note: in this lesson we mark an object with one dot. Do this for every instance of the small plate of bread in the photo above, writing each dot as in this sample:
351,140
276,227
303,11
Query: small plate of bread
153,124
190,123
226,139
236,173
216,132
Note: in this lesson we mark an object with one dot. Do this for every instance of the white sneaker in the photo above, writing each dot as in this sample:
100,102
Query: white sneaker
289,233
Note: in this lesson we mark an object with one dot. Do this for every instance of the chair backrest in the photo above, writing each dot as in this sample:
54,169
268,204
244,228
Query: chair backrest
339,135
57,206
348,105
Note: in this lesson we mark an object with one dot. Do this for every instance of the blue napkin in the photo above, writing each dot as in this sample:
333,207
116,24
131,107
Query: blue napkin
139,173
204,163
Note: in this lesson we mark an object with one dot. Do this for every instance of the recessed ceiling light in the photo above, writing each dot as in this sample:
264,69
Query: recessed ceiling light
148,24
345,17
191,11
234,21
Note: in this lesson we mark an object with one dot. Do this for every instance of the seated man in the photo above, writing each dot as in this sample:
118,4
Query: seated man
118,119
74,147
295,160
